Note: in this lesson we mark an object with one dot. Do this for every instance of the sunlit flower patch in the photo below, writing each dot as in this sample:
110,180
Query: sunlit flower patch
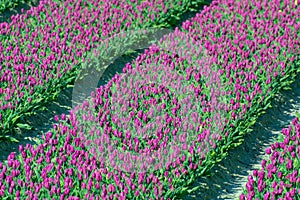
279,177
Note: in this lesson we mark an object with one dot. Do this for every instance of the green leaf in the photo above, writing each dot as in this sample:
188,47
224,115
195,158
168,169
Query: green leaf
184,189
70,86
213,153
287,88
298,114
15,119
9,138
25,126
193,189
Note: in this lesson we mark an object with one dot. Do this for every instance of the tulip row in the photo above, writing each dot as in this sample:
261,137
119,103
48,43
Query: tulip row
254,57
166,91
279,177
42,49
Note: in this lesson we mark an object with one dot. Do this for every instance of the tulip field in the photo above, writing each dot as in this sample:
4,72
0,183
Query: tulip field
171,115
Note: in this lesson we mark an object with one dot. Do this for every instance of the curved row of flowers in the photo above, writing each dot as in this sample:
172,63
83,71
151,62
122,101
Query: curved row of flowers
249,62
43,48
279,177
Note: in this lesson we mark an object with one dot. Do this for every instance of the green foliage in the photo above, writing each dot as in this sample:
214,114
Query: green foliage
6,5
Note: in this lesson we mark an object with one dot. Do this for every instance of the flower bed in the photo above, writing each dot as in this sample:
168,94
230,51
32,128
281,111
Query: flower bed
245,65
43,48
279,177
